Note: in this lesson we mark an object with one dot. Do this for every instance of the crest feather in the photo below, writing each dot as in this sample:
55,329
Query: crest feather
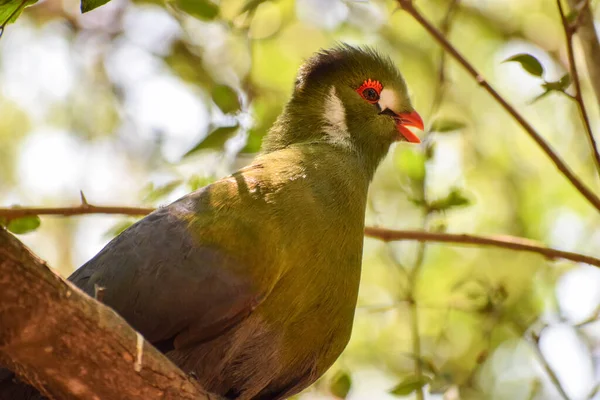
344,57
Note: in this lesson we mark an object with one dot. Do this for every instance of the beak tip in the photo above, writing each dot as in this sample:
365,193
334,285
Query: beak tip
410,119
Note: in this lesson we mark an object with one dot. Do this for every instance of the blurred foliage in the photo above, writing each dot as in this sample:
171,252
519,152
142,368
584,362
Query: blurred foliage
340,385
142,101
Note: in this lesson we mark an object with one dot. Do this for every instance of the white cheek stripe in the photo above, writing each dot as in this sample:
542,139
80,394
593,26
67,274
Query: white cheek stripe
335,118
388,99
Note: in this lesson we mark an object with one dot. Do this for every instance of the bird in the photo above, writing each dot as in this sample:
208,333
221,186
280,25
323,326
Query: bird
250,284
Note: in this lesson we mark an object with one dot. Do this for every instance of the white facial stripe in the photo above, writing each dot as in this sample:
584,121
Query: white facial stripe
388,99
335,119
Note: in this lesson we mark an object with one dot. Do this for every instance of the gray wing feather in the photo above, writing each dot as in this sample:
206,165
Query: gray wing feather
166,283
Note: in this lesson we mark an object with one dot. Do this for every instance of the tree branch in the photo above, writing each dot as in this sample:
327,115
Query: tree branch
505,242
588,38
541,142
534,339
83,209
70,346
387,235
569,31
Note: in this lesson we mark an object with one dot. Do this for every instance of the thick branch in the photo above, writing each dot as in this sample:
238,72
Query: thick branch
541,142
569,31
70,346
505,242
589,42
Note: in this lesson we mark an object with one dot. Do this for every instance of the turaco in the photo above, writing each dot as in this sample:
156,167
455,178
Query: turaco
250,283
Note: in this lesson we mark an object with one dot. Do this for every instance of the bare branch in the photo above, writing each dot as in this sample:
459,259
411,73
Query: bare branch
69,346
534,339
387,235
569,31
505,242
541,142
83,209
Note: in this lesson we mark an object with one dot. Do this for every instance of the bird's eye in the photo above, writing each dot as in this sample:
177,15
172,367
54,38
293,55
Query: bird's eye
370,95
370,90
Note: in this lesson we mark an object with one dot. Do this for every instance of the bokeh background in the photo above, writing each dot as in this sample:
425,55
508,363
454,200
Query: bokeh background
140,102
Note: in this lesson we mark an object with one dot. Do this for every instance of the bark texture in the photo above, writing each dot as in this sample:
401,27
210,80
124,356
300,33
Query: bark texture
70,346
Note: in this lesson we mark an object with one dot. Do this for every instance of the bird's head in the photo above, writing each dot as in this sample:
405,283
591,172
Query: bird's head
348,96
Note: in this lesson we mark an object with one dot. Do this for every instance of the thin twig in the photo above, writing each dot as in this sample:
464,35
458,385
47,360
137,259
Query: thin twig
414,318
505,242
83,209
578,97
534,339
589,320
387,235
414,311
558,162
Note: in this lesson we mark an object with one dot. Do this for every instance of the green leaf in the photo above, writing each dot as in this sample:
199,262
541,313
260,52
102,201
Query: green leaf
442,125
409,384
215,140
89,5
454,199
565,81
226,99
11,9
411,163
529,63
559,85
24,224
201,9
340,385
156,193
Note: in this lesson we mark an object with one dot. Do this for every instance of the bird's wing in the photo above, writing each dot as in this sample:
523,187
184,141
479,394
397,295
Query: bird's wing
168,283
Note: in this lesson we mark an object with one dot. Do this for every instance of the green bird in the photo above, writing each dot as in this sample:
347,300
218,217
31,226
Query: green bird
250,283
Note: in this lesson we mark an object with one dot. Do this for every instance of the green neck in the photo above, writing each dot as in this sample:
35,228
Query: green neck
303,122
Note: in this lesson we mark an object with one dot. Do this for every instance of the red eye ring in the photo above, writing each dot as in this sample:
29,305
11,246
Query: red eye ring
367,94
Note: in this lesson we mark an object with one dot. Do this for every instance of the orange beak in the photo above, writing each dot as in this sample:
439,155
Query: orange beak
409,119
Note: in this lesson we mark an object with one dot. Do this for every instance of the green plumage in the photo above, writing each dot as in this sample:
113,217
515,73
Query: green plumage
251,283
